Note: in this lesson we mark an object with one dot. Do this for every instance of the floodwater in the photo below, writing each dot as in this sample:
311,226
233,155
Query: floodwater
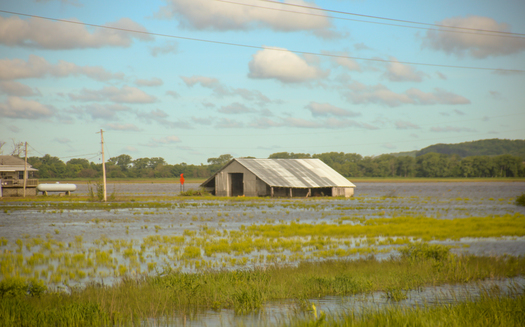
40,227
280,312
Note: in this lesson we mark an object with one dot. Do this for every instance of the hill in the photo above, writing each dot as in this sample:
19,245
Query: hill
491,147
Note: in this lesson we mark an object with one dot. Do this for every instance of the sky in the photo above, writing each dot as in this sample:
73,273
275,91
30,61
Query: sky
188,80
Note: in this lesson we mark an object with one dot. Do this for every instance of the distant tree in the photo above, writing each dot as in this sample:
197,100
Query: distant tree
123,161
217,163
286,155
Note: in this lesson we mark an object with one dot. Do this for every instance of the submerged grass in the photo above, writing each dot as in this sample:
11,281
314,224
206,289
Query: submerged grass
488,310
173,294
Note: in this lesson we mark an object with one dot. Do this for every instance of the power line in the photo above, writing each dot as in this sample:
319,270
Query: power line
262,47
379,17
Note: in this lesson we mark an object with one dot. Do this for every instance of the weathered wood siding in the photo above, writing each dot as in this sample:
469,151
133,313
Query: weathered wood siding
223,181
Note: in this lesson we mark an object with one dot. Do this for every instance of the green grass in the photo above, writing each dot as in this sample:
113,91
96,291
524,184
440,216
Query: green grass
489,310
171,293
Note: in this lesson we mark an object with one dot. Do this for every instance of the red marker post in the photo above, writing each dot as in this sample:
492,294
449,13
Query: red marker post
182,183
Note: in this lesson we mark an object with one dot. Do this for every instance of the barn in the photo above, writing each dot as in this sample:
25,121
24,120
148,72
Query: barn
278,178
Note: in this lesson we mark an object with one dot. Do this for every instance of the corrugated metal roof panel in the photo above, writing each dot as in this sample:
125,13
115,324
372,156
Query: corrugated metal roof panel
298,173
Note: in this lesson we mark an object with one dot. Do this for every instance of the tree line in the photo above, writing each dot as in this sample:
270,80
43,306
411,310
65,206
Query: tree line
347,164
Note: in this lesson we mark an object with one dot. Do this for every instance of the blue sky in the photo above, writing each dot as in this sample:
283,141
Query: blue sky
302,78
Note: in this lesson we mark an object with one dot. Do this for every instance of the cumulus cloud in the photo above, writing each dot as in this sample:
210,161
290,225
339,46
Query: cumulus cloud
359,93
121,127
221,90
167,140
228,123
348,63
380,94
45,34
169,47
17,89
16,107
477,45
216,15
406,125
161,117
326,109
173,94
235,108
452,129
439,96
149,82
126,94
38,67
398,72
65,2
62,140
202,121
98,111
283,65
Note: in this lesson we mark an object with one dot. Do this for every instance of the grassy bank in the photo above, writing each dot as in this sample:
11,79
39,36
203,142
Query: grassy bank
172,294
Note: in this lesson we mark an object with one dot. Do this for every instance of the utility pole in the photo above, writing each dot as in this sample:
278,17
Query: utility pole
103,163
25,170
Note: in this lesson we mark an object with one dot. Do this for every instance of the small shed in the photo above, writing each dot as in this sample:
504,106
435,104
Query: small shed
12,177
278,177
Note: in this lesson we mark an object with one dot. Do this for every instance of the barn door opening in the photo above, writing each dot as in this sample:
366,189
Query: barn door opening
237,184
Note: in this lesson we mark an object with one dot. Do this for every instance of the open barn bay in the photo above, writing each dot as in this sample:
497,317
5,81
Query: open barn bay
151,257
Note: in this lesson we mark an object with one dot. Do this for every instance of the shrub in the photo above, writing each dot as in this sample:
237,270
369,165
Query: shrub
191,192
520,200
418,251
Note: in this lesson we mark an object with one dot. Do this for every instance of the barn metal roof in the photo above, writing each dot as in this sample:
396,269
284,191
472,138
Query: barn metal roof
297,173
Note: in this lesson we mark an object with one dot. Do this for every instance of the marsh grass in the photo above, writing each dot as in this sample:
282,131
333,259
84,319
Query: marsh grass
172,293
488,310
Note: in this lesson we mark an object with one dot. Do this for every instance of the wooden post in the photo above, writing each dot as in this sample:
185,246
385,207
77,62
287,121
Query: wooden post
25,171
103,163
271,192
290,192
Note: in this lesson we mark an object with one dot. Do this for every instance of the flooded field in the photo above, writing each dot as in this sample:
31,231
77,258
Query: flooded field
151,231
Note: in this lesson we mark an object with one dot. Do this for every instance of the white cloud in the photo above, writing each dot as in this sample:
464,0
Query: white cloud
235,108
167,140
173,94
471,43
16,107
38,67
221,90
359,93
16,88
45,34
98,111
348,63
149,82
121,127
283,65
161,117
326,109
438,96
169,47
62,140
126,94
202,121
130,149
65,2
229,123
216,15
264,122
452,129
406,125
398,72
362,94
